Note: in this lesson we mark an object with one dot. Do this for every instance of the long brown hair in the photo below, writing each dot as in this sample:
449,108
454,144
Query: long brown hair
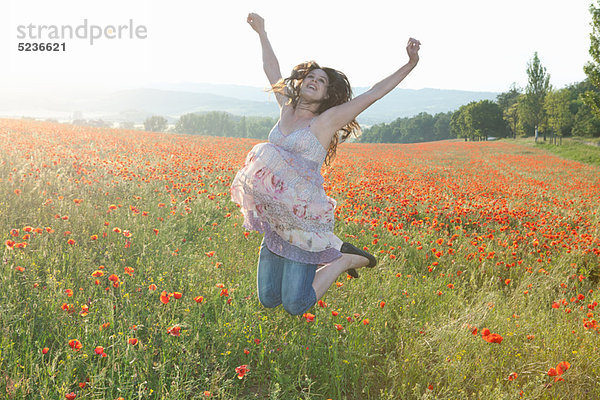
339,91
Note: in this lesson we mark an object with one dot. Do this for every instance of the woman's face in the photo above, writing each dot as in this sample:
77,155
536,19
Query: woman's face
314,86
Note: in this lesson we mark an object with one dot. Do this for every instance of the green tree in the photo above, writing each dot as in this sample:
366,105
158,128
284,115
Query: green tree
538,85
592,68
460,123
486,119
155,123
559,118
508,103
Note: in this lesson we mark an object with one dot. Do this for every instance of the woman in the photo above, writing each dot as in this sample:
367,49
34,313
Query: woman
280,188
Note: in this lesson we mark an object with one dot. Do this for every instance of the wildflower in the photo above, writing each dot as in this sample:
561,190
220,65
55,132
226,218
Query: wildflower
199,299
75,344
97,273
113,278
164,297
174,330
365,321
241,371
132,341
45,350
322,304
69,292
382,304
512,376
152,287
493,338
99,350
309,317
70,396
84,310
177,295
210,253
129,271
339,327
224,292
71,242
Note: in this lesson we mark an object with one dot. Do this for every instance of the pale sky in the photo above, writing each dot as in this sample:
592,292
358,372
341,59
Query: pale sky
478,45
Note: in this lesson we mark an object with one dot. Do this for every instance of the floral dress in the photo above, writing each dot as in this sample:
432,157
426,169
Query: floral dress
280,193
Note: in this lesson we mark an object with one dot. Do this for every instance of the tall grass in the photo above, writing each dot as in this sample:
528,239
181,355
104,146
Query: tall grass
469,236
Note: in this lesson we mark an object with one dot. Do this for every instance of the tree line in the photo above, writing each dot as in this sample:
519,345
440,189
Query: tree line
215,123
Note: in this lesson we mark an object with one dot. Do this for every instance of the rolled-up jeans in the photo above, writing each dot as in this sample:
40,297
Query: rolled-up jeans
284,281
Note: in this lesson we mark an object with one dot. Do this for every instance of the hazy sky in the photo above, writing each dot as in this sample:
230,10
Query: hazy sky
479,45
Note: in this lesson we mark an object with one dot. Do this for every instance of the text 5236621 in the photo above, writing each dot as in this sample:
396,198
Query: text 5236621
27,46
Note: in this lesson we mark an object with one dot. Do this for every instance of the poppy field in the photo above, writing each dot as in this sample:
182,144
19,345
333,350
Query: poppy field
126,273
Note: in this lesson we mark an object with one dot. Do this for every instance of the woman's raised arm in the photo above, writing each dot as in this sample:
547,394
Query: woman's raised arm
270,63
335,118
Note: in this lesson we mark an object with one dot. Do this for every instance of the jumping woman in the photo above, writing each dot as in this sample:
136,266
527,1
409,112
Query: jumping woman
280,188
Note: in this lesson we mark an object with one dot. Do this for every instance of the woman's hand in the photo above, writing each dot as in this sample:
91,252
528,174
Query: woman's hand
412,48
256,22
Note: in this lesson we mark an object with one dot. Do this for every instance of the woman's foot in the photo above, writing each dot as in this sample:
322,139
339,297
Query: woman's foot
346,263
349,248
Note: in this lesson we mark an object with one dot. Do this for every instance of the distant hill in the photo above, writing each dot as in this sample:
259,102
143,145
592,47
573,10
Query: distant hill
174,100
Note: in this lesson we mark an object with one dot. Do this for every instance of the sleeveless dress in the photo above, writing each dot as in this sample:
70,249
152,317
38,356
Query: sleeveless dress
280,193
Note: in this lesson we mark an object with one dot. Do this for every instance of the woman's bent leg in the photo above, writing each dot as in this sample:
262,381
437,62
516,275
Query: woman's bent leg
297,293
269,275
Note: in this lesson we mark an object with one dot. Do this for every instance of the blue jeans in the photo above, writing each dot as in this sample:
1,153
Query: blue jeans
283,281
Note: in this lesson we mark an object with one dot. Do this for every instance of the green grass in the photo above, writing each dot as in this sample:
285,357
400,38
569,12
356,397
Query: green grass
585,150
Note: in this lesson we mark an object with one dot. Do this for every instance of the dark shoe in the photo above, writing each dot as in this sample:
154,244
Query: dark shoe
349,248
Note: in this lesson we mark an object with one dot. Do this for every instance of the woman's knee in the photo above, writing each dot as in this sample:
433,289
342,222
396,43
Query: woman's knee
298,305
268,296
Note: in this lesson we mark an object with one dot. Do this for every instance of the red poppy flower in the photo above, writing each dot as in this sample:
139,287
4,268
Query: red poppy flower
75,344
174,330
241,371
70,396
309,317
99,350
199,299
164,297
132,341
